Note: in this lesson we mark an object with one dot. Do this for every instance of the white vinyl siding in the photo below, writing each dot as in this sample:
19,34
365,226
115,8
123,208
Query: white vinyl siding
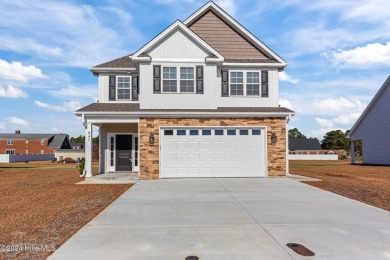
178,46
207,100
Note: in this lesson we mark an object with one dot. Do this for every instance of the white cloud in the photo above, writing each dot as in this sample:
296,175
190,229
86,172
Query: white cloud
65,107
76,91
285,103
347,119
2,126
16,71
74,34
12,92
336,106
374,54
228,6
325,123
283,76
55,129
17,121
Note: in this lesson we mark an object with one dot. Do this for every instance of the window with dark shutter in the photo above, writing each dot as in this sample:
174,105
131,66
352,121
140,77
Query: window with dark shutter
264,83
225,83
157,79
134,88
111,88
199,80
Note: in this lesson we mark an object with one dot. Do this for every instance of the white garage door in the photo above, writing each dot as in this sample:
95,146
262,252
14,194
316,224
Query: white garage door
212,152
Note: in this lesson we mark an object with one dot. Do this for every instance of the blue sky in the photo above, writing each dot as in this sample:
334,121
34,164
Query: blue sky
338,54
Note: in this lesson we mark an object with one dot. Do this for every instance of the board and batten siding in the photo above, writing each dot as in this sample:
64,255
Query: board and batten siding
178,46
374,132
207,100
236,101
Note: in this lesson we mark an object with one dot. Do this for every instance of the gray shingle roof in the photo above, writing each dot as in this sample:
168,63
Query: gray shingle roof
295,144
55,140
250,61
122,62
134,107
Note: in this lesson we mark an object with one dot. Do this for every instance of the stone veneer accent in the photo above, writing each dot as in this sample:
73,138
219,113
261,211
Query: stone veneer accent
149,154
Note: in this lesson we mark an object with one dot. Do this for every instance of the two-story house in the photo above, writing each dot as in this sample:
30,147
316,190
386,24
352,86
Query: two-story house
199,100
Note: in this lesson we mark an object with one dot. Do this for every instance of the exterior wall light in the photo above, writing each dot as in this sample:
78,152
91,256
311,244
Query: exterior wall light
274,138
151,138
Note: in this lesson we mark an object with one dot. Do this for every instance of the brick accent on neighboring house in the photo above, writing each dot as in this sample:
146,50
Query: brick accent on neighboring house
23,146
149,154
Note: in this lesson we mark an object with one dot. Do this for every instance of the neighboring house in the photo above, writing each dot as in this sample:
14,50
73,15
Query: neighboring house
304,146
19,143
77,146
373,129
201,99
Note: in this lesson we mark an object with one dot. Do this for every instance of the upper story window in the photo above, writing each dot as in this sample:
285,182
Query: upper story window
185,80
10,142
244,83
42,141
169,79
123,88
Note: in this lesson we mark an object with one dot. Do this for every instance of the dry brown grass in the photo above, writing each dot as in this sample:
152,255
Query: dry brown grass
42,205
368,184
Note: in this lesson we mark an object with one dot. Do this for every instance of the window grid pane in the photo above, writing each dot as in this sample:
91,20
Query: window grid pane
236,90
169,73
252,90
187,86
169,86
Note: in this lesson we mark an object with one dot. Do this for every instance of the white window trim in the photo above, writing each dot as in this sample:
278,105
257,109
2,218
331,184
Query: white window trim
177,79
245,83
42,141
116,87
10,142
12,151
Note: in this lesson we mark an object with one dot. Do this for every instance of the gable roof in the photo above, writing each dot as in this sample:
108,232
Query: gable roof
295,144
122,62
177,25
377,96
54,140
211,9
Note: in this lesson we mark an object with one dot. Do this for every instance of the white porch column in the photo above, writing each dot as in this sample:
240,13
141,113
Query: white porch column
88,150
353,151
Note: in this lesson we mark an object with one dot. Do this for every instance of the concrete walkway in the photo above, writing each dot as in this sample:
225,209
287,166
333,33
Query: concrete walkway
231,219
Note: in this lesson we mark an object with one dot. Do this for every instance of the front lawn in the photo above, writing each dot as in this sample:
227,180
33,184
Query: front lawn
42,206
368,184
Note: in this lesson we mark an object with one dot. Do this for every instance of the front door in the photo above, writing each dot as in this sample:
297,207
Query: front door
123,152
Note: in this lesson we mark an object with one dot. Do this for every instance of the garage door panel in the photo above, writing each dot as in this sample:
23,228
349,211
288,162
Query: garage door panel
212,155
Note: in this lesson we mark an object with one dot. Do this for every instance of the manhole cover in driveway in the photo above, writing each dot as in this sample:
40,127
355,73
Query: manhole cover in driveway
192,257
300,249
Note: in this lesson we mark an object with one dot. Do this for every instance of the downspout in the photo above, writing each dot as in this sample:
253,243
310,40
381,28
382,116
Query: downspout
287,150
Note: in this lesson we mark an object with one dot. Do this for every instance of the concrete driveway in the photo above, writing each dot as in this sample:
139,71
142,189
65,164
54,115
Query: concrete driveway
231,219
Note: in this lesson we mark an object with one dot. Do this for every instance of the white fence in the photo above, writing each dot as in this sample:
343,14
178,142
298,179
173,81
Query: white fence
309,157
10,158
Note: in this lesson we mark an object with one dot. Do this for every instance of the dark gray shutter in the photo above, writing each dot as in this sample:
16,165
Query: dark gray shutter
264,83
112,88
225,82
134,88
157,79
199,80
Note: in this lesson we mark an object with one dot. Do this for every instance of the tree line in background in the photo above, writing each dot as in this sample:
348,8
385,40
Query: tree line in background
81,139
333,140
